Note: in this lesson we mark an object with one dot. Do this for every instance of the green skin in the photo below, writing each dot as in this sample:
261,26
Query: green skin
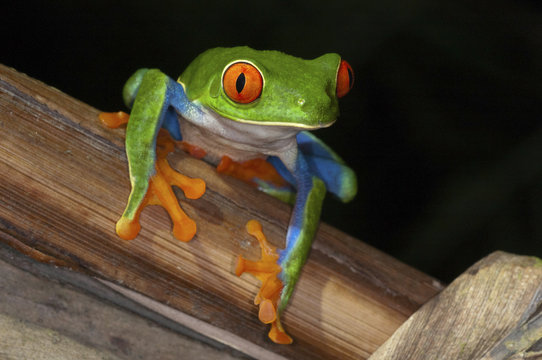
297,95
310,84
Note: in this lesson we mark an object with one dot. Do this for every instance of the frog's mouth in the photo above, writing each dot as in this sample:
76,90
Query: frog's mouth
285,124
282,124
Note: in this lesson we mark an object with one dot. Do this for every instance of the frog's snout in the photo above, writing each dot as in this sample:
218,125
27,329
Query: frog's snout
319,109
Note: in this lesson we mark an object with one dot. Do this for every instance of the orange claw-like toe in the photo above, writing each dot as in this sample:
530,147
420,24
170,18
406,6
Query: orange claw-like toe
114,119
278,335
127,229
267,313
192,188
266,270
184,228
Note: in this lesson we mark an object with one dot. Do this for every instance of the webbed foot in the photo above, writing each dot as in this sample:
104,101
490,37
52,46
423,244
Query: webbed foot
267,271
160,192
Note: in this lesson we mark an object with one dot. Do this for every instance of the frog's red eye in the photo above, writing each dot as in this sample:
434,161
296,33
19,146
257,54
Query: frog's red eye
345,79
242,82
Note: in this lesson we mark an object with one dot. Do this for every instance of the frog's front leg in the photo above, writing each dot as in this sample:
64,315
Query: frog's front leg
279,271
153,96
160,192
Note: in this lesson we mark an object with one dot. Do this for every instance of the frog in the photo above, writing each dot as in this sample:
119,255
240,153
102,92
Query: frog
250,113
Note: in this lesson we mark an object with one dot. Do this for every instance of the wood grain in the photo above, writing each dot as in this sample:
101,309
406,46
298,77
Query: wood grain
491,312
64,182
52,313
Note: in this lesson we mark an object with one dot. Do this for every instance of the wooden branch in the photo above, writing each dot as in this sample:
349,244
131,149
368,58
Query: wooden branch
69,315
491,312
64,182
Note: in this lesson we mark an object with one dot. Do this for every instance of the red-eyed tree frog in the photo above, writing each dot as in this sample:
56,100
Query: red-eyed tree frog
248,112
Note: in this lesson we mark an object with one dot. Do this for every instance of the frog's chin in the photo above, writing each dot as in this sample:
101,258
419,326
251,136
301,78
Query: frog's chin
240,141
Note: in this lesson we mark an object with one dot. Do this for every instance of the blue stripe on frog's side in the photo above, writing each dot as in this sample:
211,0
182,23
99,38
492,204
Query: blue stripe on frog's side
171,124
281,169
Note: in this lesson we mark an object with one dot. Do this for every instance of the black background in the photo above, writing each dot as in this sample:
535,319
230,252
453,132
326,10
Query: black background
443,126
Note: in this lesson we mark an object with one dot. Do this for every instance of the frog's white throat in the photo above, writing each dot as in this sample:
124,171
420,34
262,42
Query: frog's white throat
220,136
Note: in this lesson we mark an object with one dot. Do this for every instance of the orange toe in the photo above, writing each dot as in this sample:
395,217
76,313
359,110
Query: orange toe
267,313
113,119
185,229
278,335
127,229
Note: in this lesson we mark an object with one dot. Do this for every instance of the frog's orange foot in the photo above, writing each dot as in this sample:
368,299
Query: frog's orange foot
114,119
250,170
160,192
193,150
266,270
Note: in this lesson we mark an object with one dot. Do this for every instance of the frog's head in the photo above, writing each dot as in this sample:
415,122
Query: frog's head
268,87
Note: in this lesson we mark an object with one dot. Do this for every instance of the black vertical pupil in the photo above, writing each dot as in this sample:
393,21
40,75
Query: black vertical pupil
350,77
240,83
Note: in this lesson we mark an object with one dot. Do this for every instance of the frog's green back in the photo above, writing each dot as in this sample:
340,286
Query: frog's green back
296,92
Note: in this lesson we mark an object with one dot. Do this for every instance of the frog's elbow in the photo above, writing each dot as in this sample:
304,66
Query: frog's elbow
349,186
131,87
